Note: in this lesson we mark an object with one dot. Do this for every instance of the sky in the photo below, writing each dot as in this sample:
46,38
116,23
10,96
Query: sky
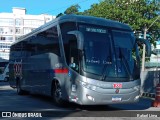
36,7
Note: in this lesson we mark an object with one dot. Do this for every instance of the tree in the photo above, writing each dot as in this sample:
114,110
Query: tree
74,9
137,13
60,14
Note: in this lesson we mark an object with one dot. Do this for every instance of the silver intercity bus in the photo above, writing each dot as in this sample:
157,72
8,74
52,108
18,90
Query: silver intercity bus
81,59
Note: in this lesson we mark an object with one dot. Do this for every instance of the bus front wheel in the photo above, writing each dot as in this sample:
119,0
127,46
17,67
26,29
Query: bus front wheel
57,93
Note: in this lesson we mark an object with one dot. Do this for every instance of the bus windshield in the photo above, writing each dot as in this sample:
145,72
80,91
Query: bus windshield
106,53
97,48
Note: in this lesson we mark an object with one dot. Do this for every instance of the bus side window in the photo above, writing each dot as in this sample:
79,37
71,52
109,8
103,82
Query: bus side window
73,53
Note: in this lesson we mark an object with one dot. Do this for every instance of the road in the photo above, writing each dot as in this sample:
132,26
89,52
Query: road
11,102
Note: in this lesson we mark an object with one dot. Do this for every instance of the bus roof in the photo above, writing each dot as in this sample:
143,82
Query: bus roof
94,20
81,19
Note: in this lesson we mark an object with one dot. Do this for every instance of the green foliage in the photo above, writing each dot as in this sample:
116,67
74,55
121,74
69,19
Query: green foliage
60,14
136,13
74,9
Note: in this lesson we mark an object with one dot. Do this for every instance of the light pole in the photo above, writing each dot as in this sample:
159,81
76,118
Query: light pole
144,48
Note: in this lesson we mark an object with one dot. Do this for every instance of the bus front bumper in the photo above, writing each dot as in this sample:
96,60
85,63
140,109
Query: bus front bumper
86,96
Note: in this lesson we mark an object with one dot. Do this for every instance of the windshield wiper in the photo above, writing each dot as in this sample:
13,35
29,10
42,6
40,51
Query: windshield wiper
105,70
126,65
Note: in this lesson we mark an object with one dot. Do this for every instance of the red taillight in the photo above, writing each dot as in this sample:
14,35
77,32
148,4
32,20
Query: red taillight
60,70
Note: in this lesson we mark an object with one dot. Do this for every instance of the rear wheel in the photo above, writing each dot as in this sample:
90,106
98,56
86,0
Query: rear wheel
19,90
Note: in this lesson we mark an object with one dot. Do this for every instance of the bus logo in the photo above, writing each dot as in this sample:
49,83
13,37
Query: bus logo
117,85
18,69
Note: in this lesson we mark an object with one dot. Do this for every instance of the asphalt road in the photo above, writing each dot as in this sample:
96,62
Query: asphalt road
45,107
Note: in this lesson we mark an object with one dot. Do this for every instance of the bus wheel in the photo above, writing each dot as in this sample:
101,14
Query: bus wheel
19,90
57,93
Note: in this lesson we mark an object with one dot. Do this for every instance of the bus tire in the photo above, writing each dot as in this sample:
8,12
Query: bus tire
57,93
19,90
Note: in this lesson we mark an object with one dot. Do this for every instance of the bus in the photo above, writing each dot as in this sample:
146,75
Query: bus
81,59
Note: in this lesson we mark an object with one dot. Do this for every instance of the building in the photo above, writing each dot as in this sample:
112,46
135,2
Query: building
15,24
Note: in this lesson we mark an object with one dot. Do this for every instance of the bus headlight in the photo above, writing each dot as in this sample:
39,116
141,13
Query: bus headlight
90,97
89,86
136,98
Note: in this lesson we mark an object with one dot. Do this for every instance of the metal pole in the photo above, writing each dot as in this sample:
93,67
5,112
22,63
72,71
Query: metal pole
14,29
144,49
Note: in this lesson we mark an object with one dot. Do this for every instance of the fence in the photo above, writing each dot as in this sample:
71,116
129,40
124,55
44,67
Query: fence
149,80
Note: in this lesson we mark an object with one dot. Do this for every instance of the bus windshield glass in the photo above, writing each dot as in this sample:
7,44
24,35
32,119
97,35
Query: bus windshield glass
105,49
97,48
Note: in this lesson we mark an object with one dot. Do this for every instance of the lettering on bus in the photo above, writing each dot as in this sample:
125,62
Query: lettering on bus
17,69
97,61
93,61
97,30
58,65
117,85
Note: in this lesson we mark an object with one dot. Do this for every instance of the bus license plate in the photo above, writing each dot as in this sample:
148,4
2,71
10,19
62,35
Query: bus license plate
116,99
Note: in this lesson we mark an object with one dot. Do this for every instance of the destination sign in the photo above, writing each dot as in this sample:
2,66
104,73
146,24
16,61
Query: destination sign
97,30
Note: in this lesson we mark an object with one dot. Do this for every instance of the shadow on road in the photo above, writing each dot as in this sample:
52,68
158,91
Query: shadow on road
143,104
34,102
3,83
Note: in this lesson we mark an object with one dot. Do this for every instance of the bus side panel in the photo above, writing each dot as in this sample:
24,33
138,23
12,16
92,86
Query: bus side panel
36,70
60,72
12,80
39,71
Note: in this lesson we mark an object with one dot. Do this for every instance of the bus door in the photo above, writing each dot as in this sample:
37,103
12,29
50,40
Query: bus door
72,59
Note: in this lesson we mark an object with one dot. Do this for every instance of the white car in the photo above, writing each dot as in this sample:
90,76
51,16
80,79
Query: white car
5,75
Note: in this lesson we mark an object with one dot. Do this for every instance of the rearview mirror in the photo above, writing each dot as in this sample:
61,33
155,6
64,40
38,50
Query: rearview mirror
147,43
79,37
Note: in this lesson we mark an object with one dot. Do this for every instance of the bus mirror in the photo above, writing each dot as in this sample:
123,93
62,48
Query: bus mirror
147,43
79,37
